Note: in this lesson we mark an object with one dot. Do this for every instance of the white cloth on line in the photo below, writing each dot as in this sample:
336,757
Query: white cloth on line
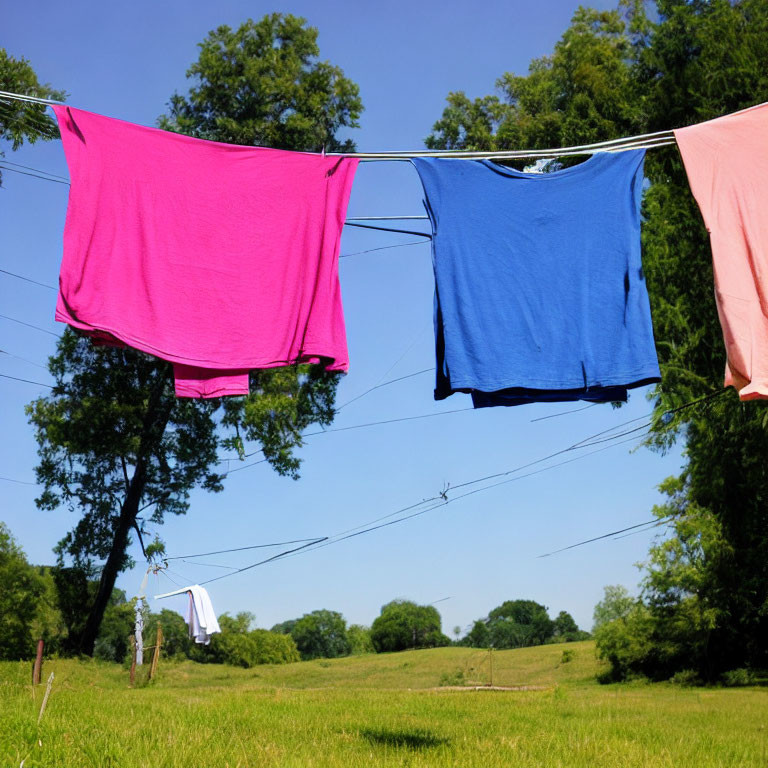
201,617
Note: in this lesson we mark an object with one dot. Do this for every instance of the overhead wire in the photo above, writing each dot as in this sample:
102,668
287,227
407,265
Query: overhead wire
381,248
30,325
28,279
30,168
442,499
26,381
23,359
653,522
436,502
36,175
20,482
242,549
262,562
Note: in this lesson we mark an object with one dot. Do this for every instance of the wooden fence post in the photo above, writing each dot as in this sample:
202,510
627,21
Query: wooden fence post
37,670
156,653
133,660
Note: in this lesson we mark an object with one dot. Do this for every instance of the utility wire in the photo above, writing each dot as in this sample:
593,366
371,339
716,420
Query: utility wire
356,426
606,536
26,381
29,325
242,549
384,384
23,359
381,248
28,279
436,502
565,413
263,562
442,499
30,168
36,175
20,482
634,533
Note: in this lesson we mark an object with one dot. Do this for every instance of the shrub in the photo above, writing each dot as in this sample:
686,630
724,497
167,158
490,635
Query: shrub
452,678
259,646
734,678
688,678
567,656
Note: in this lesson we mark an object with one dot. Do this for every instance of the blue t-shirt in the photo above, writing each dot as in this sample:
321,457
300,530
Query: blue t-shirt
539,287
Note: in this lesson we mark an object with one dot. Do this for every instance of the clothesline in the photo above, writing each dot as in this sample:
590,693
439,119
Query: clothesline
641,141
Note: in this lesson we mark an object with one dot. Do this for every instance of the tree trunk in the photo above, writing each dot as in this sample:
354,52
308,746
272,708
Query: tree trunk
114,563
154,426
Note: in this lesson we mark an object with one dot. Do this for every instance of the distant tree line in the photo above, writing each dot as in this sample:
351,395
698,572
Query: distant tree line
521,623
46,602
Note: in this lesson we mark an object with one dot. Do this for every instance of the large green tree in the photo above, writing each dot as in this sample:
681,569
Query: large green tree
403,624
648,67
116,446
22,588
321,635
699,61
22,121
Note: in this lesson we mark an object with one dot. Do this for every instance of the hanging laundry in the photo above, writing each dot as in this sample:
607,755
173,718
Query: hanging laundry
540,294
216,257
726,160
201,618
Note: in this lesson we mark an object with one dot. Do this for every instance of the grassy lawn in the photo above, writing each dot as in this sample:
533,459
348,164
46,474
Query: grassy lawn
385,710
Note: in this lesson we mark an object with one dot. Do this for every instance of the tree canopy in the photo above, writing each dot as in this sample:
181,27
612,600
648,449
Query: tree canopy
116,446
321,635
22,121
629,71
403,624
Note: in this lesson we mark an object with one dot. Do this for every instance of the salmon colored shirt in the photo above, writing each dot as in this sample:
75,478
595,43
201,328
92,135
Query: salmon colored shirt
217,257
727,165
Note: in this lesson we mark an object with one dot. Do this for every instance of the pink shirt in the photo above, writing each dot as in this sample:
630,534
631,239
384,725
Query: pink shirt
727,165
217,257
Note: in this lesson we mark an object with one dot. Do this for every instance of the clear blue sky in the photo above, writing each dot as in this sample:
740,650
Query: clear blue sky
125,60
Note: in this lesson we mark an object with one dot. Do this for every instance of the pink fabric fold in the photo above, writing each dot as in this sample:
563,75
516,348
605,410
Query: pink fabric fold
217,257
726,160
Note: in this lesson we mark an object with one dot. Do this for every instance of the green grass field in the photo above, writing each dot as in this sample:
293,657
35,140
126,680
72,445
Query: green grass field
386,710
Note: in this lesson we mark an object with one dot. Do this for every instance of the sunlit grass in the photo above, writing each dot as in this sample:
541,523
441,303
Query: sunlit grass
385,710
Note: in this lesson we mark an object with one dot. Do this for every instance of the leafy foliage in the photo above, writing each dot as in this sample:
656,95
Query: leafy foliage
22,587
360,640
262,84
616,73
616,604
321,635
22,121
403,624
241,646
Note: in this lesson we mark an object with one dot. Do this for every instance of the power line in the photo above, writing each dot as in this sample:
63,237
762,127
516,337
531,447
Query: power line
20,482
26,381
29,325
36,175
440,502
443,500
264,562
384,384
357,426
565,413
241,549
30,168
382,248
28,279
23,359
607,535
